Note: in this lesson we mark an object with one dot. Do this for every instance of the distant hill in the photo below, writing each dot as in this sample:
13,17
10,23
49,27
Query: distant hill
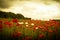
11,15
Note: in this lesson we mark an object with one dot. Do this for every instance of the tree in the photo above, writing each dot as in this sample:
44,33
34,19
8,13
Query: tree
11,15
3,14
19,16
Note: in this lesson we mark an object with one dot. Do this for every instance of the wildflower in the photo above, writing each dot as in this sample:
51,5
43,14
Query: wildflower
41,36
27,25
17,24
6,23
0,21
20,23
15,20
27,38
55,31
16,34
32,24
9,24
26,22
1,26
44,29
36,28
50,31
41,27
13,35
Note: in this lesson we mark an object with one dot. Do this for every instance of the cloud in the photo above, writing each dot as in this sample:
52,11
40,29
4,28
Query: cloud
34,8
6,3
9,3
57,1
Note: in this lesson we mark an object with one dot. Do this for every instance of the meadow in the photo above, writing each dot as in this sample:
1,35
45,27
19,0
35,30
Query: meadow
22,29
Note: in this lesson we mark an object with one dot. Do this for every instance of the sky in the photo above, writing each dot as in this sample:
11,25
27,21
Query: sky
35,9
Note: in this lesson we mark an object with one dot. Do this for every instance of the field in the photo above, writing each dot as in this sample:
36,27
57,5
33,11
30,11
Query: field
20,29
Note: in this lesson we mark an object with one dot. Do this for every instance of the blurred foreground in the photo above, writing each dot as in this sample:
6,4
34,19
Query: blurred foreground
20,29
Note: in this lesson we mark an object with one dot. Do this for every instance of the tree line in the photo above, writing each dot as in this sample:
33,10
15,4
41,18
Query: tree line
12,15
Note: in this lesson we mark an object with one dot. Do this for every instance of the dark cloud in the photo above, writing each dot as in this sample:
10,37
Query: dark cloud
6,3
9,3
57,1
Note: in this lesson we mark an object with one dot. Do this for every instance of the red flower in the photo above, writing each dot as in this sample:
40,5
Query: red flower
55,31
8,23
41,27
16,34
13,35
41,36
15,20
44,29
28,38
50,31
1,26
34,28
17,24
0,21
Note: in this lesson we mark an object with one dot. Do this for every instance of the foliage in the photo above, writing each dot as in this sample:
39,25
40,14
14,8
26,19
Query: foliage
11,15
